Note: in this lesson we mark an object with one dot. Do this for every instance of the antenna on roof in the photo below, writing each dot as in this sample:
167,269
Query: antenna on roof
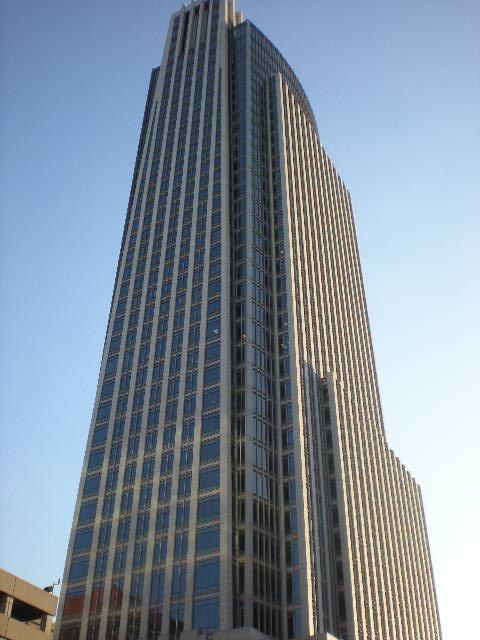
50,587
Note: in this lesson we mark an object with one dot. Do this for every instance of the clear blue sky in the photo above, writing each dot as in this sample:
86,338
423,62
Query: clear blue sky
395,89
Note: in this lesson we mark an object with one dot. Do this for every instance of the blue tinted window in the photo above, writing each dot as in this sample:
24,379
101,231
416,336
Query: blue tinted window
123,529
111,366
214,307
163,518
104,535
215,268
181,544
206,615
157,589
115,344
215,251
107,390
212,352
210,424
210,450
78,569
214,288
160,550
212,375
185,485
211,398
91,485
96,459
296,587
213,328
209,478
83,539
99,436
207,575
179,580
87,512
188,430
208,509
208,539
104,411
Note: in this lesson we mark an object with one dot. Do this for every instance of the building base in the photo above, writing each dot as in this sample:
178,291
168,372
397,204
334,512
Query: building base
241,634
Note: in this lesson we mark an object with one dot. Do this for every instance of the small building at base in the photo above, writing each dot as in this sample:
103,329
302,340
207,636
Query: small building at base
25,610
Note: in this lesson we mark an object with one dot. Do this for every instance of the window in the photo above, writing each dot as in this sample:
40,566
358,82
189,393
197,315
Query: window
74,600
210,450
143,520
120,559
191,382
211,399
133,444
111,367
160,551
188,430
212,352
189,405
210,424
171,411
157,588
126,501
181,545
206,615
214,288
183,514
96,459
99,436
184,485
107,390
166,464
163,518
115,453
291,522
87,512
164,490
208,540
179,580
186,457
123,530
208,509
207,576
177,617
212,375
169,437
213,328
214,306
101,564
116,594
78,569
83,540
209,479
151,440
130,470
148,468
145,496
104,535
91,485
139,554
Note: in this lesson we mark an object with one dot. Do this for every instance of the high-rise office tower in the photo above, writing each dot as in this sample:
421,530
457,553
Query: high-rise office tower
237,480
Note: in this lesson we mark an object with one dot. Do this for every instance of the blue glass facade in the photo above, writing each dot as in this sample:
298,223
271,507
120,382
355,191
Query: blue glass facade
237,438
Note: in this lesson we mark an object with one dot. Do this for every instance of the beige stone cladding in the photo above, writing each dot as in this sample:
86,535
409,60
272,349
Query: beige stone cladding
25,610
380,569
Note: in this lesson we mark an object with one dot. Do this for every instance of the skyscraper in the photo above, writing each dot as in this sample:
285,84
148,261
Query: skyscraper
237,479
